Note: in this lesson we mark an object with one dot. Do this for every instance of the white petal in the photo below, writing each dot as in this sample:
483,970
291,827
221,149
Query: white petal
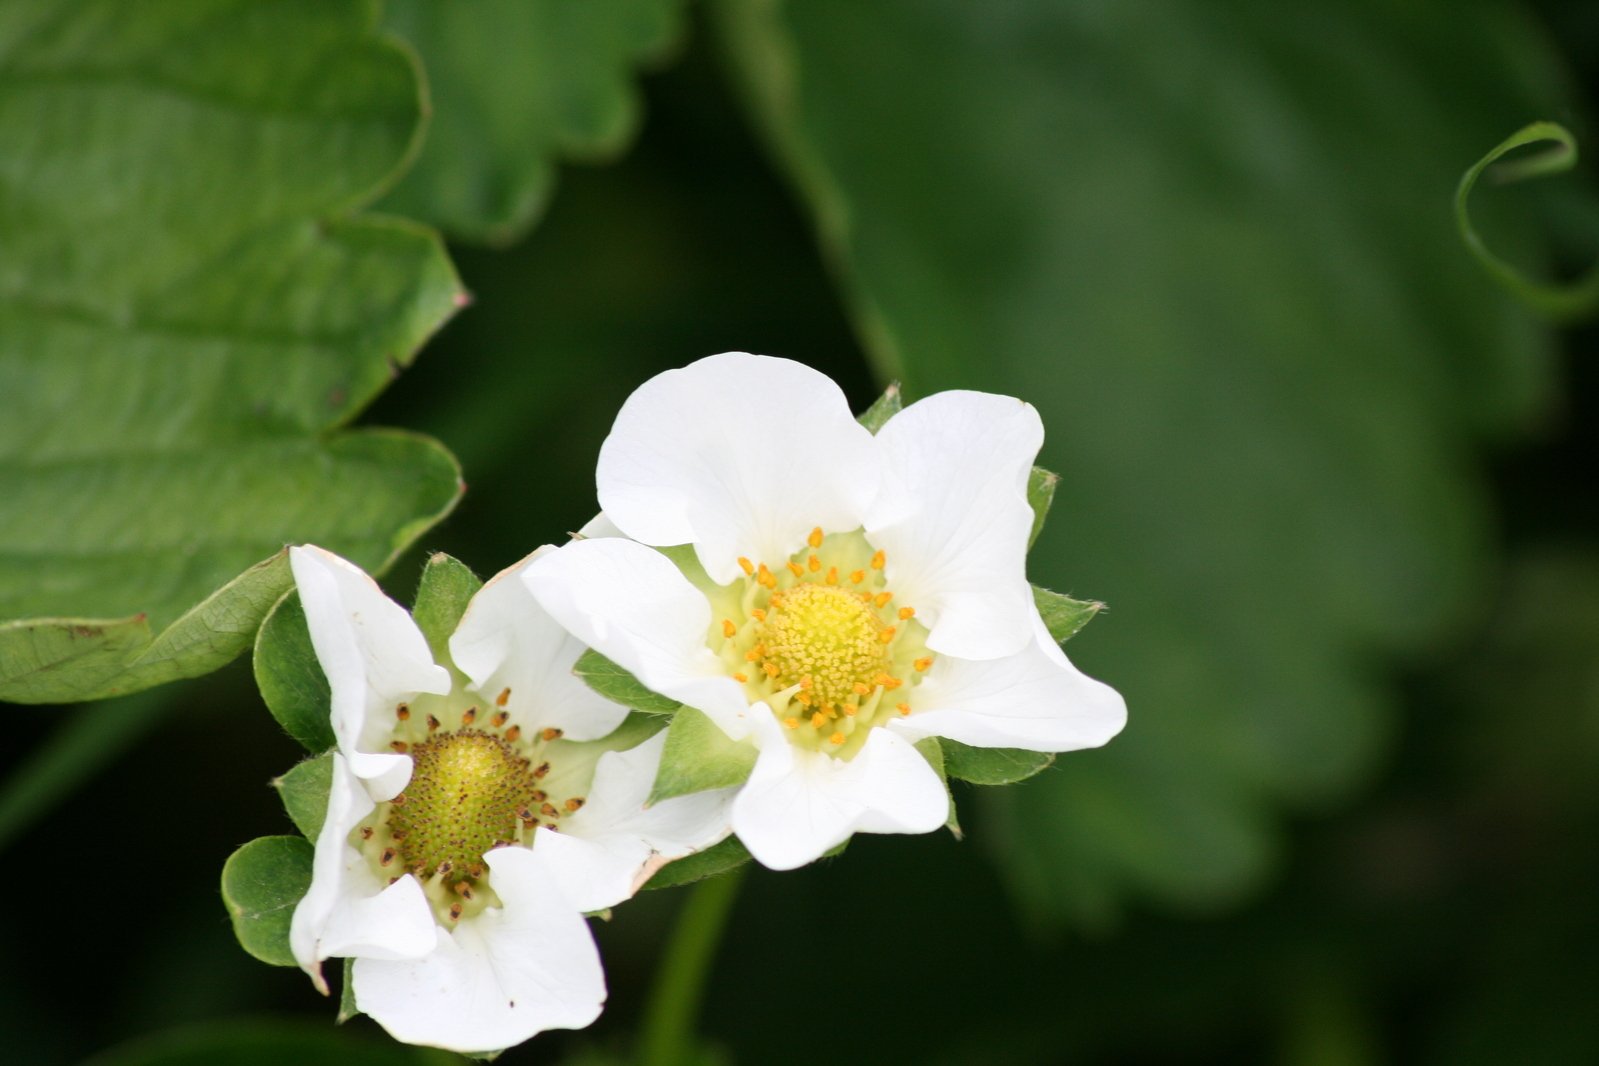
499,977
374,657
507,641
798,805
1033,699
953,518
736,454
633,606
605,852
348,910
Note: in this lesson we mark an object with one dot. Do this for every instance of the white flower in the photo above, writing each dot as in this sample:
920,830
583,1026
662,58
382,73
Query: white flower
847,594
479,808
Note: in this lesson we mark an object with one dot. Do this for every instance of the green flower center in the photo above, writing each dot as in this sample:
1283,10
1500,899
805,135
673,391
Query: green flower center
821,640
465,793
477,783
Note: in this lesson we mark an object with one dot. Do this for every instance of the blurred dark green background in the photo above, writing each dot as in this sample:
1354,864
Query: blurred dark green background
1338,491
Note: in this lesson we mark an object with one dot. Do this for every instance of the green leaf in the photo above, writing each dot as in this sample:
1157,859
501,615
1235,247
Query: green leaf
883,408
262,883
518,85
1576,299
347,1007
993,766
1063,616
619,686
447,587
716,859
190,337
264,1042
1040,494
932,749
1262,362
291,679
699,756
304,791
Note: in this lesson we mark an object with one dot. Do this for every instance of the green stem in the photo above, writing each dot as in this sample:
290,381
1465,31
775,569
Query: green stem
674,1002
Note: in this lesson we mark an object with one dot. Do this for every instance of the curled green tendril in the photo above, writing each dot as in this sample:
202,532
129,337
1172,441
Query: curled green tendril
1574,299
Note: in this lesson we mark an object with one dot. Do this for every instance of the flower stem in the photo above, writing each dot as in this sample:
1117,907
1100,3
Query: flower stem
674,1002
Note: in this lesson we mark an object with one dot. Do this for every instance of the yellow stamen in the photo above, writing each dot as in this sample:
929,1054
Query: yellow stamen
857,577
741,678
906,612
728,628
904,708
796,569
882,599
836,738
850,709
878,560
923,663
887,635
771,669
513,734
747,566
806,682
817,719
758,614
766,578
862,688
791,723
832,575
815,539
802,698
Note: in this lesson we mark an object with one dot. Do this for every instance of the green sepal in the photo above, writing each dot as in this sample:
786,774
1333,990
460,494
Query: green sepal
1040,494
698,756
447,586
619,686
714,860
932,749
347,1007
993,766
1064,616
304,792
290,677
262,883
883,408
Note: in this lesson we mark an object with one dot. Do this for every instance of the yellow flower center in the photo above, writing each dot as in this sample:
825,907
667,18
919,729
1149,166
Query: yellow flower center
826,634
821,640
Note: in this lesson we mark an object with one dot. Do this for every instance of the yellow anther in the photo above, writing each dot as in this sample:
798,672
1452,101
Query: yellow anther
923,663
850,709
758,614
832,575
814,563
882,598
747,566
815,539
862,688
796,569
806,682
741,678
728,628
878,560
903,708
818,719
836,738
887,635
771,669
791,723
906,612
765,577
857,577
751,655
802,698
889,681
513,734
